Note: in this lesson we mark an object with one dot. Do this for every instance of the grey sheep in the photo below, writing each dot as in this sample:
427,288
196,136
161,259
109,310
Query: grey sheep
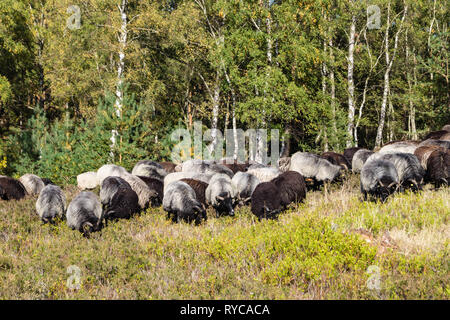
51,204
409,170
176,176
146,196
180,203
440,143
243,184
219,194
379,179
109,187
87,180
32,183
150,171
399,147
314,169
264,174
84,213
205,166
359,158
109,170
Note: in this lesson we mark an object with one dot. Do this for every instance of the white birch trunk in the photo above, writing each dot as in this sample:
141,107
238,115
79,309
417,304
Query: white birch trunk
350,82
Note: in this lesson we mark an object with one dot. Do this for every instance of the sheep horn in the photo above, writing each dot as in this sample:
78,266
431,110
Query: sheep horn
220,198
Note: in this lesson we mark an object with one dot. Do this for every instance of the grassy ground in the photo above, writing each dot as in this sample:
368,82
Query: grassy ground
331,247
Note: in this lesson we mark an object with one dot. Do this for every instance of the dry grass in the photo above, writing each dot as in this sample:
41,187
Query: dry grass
321,249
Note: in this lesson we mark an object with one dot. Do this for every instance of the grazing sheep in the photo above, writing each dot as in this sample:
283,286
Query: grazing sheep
175,176
205,166
147,197
123,204
109,170
168,166
336,159
315,170
379,179
109,187
181,203
87,180
51,203
409,170
291,186
84,213
243,184
423,153
399,147
264,174
284,163
266,201
200,188
219,194
359,158
440,143
349,153
446,127
32,183
438,168
11,188
435,135
150,171
256,165
237,167
157,186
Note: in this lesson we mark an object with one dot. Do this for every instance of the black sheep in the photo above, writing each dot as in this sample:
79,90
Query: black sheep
337,159
266,201
199,189
291,186
123,205
438,168
157,186
11,188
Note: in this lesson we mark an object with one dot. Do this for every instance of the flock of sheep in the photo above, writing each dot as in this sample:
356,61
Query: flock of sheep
186,190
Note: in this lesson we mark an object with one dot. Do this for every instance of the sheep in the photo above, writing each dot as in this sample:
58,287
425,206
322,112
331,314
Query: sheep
445,137
431,142
266,201
87,180
109,187
291,186
200,188
157,186
435,135
110,170
349,153
123,205
379,179
47,181
168,166
264,174
175,176
359,158
84,213
51,204
438,168
243,184
236,167
399,147
219,194
316,171
146,196
32,183
11,188
284,163
181,203
446,128
150,171
409,170
149,163
205,166
336,159
423,153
